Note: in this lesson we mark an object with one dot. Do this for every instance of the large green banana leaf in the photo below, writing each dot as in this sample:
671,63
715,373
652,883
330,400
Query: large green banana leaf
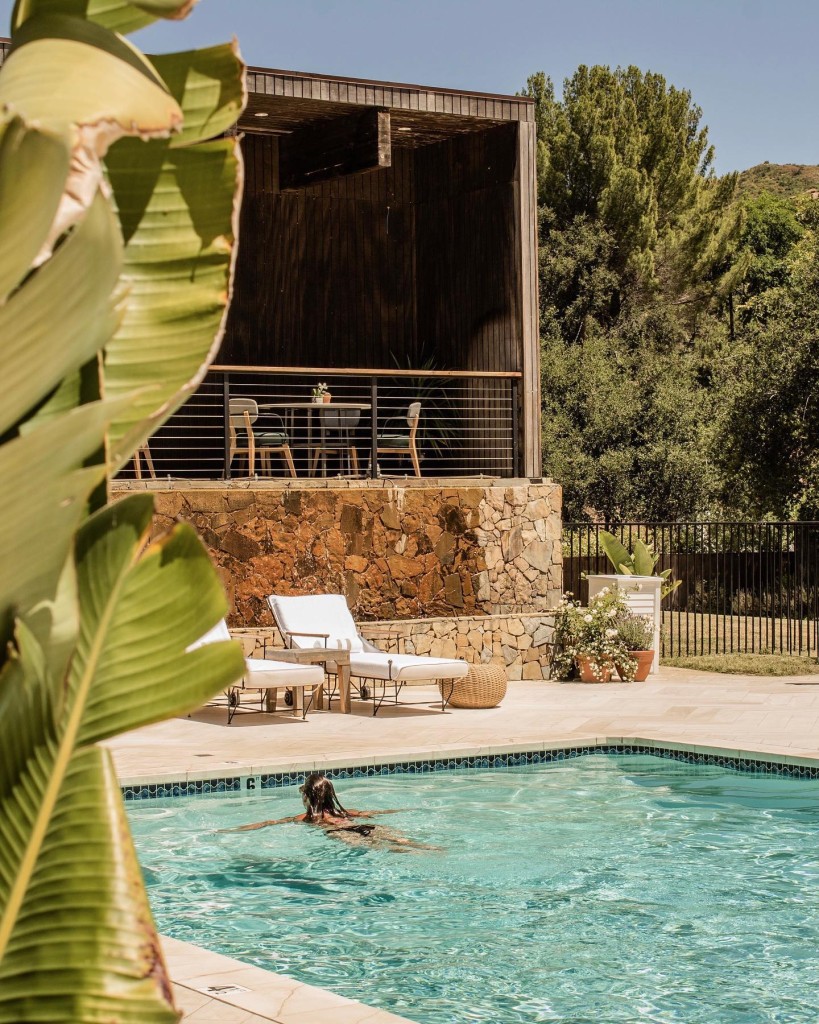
54,72
33,169
134,601
101,343
644,559
179,218
616,552
62,316
117,15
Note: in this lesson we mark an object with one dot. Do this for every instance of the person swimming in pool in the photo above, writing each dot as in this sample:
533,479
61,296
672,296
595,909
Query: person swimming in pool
322,807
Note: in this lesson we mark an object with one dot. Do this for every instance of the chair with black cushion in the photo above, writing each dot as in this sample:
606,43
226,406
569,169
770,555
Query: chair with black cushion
243,413
394,440
336,435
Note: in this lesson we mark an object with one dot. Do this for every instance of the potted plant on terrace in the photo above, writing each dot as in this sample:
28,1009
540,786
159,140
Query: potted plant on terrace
321,394
588,639
636,632
636,573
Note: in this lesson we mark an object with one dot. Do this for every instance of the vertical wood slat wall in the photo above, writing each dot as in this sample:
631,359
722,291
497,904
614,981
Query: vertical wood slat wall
396,264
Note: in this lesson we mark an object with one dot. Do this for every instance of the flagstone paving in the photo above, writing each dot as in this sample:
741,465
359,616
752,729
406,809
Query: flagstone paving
749,713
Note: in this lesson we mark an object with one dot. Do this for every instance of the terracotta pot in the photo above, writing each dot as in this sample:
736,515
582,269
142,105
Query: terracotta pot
327,399
644,659
584,667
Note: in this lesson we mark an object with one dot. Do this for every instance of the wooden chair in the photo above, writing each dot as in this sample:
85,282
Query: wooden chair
242,414
393,442
145,453
341,422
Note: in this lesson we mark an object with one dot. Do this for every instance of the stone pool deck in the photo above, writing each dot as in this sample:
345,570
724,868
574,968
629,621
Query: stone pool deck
755,715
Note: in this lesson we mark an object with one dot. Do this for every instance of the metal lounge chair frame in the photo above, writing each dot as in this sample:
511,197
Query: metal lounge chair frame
292,677
294,614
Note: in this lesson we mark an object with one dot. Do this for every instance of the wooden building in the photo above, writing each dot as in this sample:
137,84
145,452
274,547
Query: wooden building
385,229
389,225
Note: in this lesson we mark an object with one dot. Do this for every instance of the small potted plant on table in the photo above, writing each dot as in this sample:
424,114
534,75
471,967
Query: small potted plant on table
588,640
321,394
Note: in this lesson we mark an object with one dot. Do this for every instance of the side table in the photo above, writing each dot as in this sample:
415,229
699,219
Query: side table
322,656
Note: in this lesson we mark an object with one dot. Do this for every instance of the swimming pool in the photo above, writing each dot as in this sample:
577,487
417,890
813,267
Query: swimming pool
601,889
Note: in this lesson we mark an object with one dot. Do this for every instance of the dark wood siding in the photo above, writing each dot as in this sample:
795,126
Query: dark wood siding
325,276
395,264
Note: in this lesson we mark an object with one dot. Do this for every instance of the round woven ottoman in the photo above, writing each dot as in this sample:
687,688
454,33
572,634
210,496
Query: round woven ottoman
484,686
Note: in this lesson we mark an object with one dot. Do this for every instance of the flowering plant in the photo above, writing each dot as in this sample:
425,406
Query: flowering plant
636,631
592,633
320,390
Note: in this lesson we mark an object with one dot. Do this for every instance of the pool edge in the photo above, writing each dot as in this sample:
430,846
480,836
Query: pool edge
276,774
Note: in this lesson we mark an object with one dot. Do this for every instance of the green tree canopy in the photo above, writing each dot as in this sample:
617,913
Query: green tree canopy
766,437
629,202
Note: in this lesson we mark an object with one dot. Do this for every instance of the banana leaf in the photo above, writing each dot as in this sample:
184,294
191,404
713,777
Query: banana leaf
616,552
57,792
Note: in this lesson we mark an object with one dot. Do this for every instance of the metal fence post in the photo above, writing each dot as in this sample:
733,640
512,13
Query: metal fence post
517,469
226,423
374,428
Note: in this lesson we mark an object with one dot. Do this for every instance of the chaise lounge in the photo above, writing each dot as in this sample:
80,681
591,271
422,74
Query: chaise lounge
266,675
324,620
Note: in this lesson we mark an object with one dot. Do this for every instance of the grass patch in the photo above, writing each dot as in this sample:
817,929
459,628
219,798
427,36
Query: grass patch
748,664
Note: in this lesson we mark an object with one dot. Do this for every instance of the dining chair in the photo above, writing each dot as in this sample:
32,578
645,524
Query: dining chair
144,452
341,422
393,441
242,414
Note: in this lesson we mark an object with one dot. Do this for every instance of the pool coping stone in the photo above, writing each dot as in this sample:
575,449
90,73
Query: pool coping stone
279,773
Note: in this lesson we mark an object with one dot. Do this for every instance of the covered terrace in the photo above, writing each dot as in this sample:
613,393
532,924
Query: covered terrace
387,250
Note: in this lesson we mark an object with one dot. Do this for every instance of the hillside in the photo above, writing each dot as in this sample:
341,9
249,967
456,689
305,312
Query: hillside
781,179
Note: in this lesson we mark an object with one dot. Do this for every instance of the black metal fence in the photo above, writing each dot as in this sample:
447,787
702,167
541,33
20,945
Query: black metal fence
746,587
468,424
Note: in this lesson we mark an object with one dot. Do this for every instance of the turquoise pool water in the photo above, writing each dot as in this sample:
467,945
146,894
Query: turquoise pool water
602,889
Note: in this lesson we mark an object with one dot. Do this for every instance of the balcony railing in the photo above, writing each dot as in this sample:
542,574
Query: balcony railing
468,425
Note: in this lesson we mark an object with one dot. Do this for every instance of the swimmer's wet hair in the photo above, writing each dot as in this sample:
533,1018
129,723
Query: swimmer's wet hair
321,798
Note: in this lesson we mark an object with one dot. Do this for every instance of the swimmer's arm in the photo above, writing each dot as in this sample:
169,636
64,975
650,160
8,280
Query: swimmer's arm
372,814
263,824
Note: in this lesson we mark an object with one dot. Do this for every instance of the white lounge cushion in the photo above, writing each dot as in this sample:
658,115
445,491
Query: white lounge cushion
263,673
405,667
213,636
316,613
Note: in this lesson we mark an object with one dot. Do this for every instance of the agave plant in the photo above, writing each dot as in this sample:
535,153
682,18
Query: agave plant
118,206
640,562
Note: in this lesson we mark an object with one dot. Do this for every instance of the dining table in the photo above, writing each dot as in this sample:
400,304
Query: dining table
290,408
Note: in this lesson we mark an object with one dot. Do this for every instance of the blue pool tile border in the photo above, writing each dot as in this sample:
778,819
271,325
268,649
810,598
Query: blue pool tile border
165,789
278,780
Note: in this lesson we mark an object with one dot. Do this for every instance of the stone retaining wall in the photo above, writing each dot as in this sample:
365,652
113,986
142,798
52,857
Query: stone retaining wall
433,549
520,643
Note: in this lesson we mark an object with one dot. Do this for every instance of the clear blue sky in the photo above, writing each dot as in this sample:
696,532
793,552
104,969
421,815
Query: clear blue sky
750,64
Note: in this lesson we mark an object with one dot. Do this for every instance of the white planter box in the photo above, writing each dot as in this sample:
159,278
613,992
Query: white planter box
643,595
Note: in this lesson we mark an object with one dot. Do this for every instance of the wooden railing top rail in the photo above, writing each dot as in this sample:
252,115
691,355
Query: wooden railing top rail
361,372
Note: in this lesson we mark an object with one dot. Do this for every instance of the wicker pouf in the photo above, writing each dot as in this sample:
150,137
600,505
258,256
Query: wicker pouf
484,686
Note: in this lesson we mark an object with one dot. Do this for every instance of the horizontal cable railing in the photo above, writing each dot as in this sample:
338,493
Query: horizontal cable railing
366,423
747,587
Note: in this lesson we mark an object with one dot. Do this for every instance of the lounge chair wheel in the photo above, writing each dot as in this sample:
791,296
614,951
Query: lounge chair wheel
288,698
364,692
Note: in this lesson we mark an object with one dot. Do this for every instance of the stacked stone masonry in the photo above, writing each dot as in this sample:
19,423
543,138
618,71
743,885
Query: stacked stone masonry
519,643
396,552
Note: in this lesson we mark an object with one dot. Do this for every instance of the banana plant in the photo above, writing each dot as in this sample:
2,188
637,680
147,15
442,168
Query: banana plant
640,562
119,197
